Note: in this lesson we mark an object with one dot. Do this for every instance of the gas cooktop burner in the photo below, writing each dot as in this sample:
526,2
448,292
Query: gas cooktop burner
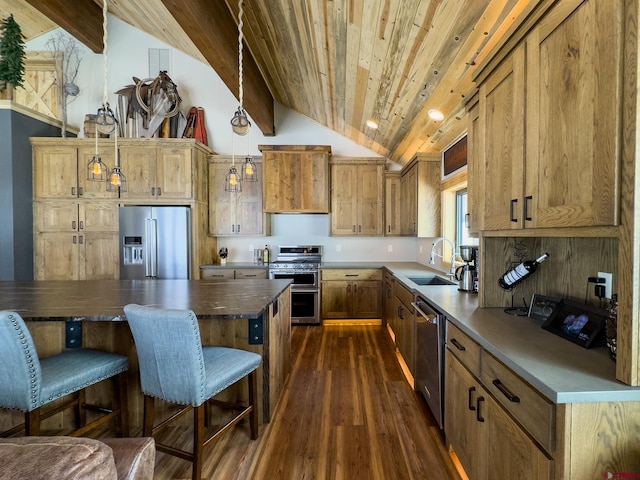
299,257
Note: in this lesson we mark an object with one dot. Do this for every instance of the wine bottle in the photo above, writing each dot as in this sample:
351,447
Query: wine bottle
265,255
515,275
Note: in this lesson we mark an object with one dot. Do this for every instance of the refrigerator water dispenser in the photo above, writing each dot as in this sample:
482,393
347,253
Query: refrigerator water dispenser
132,251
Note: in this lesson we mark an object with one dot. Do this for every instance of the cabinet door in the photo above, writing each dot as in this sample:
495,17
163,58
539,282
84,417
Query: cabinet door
56,216
56,256
409,208
90,189
366,299
222,205
463,431
174,173
392,205
139,167
217,273
55,172
405,336
250,217
335,299
370,200
510,452
573,115
259,273
98,256
98,217
344,200
475,163
502,102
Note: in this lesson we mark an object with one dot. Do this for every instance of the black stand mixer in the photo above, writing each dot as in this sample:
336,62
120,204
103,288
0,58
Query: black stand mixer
467,274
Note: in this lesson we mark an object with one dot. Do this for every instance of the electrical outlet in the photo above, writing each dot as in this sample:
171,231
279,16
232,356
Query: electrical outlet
608,280
389,248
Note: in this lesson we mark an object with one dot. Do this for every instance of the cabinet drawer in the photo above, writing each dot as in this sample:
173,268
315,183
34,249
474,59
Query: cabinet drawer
404,294
352,274
251,273
463,347
534,412
219,273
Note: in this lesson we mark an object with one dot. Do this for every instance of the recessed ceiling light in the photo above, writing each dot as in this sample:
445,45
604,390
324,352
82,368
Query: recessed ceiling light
372,124
436,115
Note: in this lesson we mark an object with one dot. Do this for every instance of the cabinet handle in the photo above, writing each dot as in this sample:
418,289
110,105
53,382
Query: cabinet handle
349,288
75,239
354,229
479,417
80,191
359,228
352,275
81,225
388,228
505,391
457,345
153,191
467,220
73,225
526,207
238,228
471,406
254,275
512,204
159,191
73,191
400,313
233,228
80,239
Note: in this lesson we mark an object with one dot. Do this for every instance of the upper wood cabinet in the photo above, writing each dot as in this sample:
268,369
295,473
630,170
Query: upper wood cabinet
549,121
420,204
392,199
235,213
357,197
60,171
295,178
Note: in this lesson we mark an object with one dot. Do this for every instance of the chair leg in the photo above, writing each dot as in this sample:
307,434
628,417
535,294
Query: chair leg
32,422
253,416
148,416
122,403
80,413
198,440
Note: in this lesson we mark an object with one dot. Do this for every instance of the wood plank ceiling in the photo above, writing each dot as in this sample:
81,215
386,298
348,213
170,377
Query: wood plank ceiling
339,62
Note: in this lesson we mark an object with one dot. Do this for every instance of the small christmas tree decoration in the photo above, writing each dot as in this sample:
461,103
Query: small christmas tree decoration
11,54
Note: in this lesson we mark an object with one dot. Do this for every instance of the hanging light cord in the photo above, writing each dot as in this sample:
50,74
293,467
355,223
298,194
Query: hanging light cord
240,70
104,51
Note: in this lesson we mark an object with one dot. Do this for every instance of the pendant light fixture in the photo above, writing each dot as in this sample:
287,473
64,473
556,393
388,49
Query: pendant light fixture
240,124
249,170
96,168
106,121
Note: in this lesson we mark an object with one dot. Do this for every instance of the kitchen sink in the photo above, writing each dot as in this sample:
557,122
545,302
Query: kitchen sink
431,280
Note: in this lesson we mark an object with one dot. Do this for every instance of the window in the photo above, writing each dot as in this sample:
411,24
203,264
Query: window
462,225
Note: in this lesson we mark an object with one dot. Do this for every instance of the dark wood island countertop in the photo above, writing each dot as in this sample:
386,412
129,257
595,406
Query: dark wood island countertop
105,299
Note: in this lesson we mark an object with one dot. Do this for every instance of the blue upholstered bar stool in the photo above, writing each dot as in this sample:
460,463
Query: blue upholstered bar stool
29,383
176,368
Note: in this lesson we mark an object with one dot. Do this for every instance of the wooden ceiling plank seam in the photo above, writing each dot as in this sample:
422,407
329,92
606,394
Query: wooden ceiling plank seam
340,58
385,26
450,91
214,32
352,80
442,60
316,23
65,14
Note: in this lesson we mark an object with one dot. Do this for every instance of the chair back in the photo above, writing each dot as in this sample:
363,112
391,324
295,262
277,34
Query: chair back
169,353
20,374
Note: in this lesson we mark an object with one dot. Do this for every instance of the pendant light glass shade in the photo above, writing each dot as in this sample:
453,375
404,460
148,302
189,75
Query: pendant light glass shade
232,182
249,170
97,170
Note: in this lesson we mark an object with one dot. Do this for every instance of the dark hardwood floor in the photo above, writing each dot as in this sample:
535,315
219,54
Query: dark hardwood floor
347,413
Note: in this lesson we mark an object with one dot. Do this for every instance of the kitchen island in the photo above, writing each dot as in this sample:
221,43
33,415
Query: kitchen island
253,315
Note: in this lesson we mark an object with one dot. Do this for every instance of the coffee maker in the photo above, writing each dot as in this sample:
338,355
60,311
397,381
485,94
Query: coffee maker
467,274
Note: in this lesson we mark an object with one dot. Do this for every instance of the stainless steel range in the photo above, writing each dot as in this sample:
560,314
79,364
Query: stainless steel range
301,264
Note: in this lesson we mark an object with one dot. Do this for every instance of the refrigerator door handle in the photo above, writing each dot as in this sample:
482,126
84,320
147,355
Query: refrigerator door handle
150,253
153,251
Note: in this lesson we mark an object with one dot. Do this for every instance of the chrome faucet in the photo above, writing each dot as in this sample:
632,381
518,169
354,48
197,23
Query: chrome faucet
452,272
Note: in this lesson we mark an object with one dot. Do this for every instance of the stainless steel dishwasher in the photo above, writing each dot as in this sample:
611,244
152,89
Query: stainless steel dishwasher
430,338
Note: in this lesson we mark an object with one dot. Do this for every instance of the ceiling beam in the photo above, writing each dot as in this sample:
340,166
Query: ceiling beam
81,18
213,30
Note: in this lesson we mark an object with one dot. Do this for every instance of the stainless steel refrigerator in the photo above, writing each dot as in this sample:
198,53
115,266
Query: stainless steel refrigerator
155,242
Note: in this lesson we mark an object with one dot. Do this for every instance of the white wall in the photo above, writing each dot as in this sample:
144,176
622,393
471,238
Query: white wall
198,84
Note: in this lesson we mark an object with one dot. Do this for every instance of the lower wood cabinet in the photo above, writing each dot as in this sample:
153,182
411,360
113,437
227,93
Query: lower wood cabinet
353,293
487,441
405,326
